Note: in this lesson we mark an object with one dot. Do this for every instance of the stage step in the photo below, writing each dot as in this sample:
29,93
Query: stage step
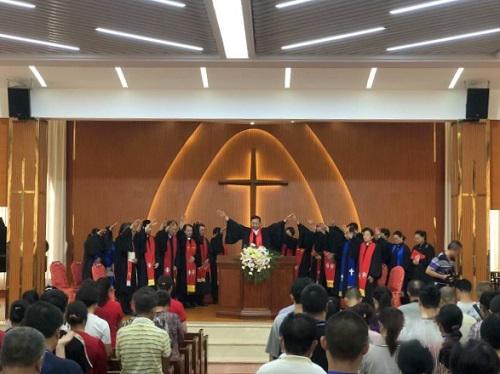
235,342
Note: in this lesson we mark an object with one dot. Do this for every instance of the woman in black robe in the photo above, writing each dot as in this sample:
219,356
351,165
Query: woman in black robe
93,251
216,248
420,257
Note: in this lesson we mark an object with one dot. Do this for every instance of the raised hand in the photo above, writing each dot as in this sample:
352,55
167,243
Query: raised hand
113,226
222,214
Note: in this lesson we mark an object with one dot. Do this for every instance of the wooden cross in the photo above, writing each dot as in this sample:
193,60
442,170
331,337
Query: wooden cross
253,182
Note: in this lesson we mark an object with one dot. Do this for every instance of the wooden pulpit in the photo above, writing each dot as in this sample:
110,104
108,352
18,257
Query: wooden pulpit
239,297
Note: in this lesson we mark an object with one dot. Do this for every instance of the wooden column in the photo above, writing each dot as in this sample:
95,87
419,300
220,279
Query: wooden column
27,181
470,191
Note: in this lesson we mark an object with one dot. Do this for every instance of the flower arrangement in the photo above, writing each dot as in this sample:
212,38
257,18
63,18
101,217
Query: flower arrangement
257,263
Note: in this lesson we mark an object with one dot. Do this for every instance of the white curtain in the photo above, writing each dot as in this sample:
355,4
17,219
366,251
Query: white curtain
56,191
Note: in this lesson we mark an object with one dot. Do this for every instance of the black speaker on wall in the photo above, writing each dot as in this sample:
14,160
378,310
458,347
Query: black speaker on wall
19,103
477,104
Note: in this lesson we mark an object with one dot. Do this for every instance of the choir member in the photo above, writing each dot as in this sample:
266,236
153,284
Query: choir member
400,255
369,263
382,236
203,276
421,255
146,256
125,264
166,249
93,251
216,249
347,262
289,245
187,261
269,237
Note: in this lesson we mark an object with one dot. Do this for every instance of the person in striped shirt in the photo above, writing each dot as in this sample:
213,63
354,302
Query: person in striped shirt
141,346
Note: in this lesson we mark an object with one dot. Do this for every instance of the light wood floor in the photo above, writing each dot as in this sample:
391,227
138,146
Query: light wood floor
208,314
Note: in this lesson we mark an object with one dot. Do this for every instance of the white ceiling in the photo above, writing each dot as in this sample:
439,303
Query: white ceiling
248,78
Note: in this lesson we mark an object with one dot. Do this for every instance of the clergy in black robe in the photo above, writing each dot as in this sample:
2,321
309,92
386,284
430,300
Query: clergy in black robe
382,236
289,245
125,270
347,260
203,275
93,251
400,255
187,260
369,264
420,257
305,245
269,237
313,242
166,245
141,239
216,249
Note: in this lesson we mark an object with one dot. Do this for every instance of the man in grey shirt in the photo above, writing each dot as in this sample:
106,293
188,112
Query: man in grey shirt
273,347
411,310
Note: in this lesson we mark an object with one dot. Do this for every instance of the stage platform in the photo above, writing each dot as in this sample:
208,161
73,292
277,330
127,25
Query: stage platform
231,340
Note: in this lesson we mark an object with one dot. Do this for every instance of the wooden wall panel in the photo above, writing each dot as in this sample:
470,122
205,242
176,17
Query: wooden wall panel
389,170
27,199
495,165
4,146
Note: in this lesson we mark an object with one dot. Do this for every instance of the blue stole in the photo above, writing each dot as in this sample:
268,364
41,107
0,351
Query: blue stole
346,265
399,255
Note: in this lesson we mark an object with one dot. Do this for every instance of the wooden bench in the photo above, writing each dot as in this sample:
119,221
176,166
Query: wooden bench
200,341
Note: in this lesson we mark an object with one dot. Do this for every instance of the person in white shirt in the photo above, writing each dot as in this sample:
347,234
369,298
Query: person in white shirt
411,311
298,341
448,296
464,297
88,293
273,347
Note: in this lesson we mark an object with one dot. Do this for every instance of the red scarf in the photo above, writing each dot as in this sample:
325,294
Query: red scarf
365,260
190,266
255,239
329,271
130,266
150,260
170,254
299,254
285,251
204,269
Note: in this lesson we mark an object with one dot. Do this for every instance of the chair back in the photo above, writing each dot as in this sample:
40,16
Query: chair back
77,271
58,276
395,284
98,271
382,281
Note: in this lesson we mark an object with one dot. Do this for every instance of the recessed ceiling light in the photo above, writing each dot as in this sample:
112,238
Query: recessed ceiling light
148,39
444,40
427,4
371,78
38,76
286,4
121,76
36,41
455,78
333,38
204,77
170,2
18,3
252,123
229,15
288,77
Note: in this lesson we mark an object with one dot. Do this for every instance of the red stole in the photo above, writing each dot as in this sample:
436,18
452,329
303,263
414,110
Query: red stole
203,270
255,239
190,266
329,266
170,254
365,260
299,254
130,264
285,251
150,260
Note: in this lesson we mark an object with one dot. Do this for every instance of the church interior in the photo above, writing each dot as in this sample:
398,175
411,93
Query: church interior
317,114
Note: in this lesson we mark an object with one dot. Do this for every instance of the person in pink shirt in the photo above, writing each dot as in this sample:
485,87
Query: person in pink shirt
108,308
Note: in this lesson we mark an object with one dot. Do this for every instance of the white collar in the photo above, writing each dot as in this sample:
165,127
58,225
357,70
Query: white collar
287,357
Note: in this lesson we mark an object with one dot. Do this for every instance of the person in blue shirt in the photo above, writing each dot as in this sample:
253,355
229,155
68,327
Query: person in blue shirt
47,319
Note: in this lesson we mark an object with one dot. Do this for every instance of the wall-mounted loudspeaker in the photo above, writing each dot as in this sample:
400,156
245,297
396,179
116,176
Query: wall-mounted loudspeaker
477,104
19,103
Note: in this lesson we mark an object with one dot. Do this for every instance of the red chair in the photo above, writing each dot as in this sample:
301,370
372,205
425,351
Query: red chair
98,271
382,281
59,279
77,271
395,284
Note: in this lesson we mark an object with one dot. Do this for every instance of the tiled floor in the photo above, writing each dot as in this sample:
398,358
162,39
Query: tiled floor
232,368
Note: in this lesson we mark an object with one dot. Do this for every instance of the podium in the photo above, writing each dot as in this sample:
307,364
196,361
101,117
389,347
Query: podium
241,298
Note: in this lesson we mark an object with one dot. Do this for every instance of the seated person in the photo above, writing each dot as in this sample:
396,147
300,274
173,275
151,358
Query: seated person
490,331
352,297
109,309
17,311
449,320
166,283
169,322
298,333
366,311
47,319
474,357
22,351
465,302
414,358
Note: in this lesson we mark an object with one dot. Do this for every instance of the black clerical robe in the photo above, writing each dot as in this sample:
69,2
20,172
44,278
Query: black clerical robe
94,248
424,253
386,251
369,267
289,245
305,245
181,262
271,235
124,244
216,249
140,239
